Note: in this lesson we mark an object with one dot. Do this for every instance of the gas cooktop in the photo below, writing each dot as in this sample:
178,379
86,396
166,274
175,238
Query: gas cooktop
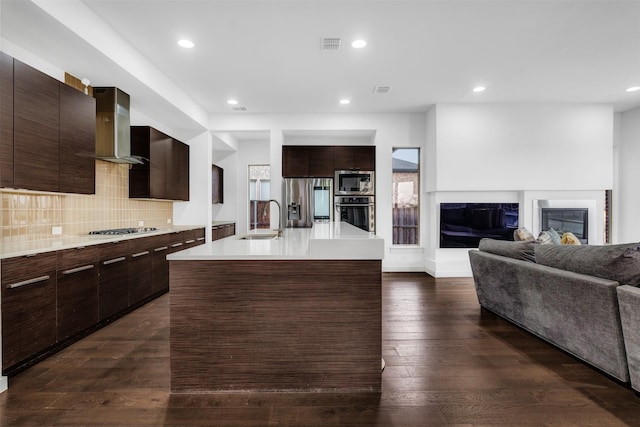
118,231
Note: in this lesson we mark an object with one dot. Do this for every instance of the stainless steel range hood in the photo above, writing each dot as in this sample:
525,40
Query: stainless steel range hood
113,132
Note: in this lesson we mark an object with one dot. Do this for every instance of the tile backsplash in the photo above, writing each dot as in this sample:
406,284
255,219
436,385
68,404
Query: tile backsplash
29,216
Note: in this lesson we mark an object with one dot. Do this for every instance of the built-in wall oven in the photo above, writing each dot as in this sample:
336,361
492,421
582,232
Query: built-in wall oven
354,183
356,210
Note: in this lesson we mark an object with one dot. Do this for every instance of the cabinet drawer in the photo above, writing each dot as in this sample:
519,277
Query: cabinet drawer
70,258
26,271
110,251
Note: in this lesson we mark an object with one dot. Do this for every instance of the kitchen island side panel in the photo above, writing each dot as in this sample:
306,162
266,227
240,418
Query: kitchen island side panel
276,325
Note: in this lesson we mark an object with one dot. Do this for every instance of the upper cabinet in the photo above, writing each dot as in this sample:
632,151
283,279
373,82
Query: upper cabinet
77,141
6,120
322,161
307,161
166,174
356,157
36,137
47,140
217,184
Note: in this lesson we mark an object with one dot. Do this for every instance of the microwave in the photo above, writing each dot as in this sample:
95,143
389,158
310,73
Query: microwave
354,183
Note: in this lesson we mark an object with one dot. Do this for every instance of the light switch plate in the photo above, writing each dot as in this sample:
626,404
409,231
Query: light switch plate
168,220
56,230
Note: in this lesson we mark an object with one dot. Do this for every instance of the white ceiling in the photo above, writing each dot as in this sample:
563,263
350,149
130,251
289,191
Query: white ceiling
267,54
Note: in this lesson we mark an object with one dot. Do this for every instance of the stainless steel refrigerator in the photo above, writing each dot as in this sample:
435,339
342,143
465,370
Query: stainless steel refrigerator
307,200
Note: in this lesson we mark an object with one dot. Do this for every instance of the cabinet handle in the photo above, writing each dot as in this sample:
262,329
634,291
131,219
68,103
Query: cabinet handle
164,248
78,269
140,254
189,241
200,239
29,282
113,261
175,245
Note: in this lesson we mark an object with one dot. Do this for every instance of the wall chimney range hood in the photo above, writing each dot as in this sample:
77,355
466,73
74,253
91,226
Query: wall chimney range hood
113,132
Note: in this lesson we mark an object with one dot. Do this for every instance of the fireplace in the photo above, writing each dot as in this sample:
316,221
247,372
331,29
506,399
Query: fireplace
574,216
563,220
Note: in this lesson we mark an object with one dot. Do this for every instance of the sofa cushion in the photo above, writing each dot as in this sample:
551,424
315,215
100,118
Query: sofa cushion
524,235
614,262
519,250
569,238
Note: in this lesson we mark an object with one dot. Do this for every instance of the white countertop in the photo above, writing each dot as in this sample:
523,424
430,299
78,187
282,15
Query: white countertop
61,242
338,240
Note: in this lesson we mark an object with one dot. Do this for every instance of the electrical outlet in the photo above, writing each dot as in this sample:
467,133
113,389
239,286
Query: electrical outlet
56,230
140,223
168,220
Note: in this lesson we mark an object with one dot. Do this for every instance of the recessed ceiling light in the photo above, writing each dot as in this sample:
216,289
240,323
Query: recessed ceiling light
633,89
232,102
479,89
187,44
345,101
358,44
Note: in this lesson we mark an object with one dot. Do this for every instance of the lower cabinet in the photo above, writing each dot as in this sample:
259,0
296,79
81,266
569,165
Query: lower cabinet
140,263
53,298
28,306
221,231
77,291
113,283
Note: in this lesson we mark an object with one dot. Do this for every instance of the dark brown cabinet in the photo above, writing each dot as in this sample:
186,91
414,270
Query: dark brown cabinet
77,141
307,161
166,174
160,265
36,132
217,184
140,264
223,230
357,157
28,307
77,291
6,120
113,280
320,161
51,299
47,136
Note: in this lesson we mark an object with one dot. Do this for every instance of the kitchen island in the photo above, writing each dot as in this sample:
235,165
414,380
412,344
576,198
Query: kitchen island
297,313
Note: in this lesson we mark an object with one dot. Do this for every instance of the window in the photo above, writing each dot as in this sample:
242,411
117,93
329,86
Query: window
406,196
259,194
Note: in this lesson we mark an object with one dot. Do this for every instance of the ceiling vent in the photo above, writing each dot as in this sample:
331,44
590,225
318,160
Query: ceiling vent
331,43
239,108
382,89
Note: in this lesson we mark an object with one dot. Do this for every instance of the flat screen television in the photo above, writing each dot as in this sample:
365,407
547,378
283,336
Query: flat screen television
462,225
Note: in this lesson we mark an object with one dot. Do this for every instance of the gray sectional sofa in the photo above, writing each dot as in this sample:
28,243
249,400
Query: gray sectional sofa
582,299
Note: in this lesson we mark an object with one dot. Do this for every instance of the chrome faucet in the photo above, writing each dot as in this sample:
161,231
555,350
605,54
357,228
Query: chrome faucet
264,212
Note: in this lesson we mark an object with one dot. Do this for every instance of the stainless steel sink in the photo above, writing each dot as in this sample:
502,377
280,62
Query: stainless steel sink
261,236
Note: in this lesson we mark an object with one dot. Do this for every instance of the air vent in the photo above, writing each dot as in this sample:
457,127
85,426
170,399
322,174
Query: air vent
331,43
239,108
382,89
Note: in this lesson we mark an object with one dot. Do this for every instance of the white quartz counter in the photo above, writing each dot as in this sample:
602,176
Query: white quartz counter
61,242
338,240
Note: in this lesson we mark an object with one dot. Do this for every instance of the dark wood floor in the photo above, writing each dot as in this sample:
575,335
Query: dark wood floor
449,363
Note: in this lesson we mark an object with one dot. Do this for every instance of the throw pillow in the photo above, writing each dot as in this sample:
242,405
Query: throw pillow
544,238
555,237
518,250
614,262
523,235
569,239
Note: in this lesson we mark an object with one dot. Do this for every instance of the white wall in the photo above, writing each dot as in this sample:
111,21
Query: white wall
514,153
627,202
482,147
196,211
